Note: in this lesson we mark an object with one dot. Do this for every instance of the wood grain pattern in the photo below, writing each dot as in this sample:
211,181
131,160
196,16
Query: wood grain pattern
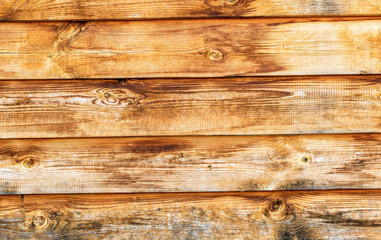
190,48
231,106
16,10
311,215
190,164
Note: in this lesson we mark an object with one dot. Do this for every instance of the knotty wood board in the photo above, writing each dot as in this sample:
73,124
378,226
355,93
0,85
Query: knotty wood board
231,106
190,164
190,48
332,215
16,10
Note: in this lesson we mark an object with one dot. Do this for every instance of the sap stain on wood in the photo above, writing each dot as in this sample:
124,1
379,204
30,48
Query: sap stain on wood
356,164
325,6
19,10
304,184
261,215
276,105
224,8
155,146
183,164
339,218
302,232
14,152
8,188
252,47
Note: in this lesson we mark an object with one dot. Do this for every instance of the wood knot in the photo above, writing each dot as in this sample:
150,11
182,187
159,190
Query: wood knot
40,221
44,220
306,159
277,210
28,162
215,55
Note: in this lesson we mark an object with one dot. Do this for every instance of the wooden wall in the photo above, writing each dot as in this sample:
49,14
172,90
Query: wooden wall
198,119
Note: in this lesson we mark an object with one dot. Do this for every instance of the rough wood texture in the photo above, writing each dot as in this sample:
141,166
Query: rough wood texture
240,106
190,48
335,215
190,164
12,10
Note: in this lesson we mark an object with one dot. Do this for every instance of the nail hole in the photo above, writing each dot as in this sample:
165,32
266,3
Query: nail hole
215,55
305,159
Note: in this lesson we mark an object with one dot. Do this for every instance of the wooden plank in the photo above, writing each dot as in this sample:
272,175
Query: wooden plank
231,106
190,164
190,48
335,215
16,10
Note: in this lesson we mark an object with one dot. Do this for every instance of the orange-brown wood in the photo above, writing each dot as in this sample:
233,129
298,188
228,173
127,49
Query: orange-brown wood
190,164
16,10
231,106
75,130
190,48
271,215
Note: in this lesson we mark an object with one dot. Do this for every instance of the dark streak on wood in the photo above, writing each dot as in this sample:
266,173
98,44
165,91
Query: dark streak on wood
302,215
246,47
232,106
42,10
183,164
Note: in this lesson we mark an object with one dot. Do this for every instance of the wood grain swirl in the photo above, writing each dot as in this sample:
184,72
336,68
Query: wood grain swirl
231,106
190,48
37,10
190,164
333,215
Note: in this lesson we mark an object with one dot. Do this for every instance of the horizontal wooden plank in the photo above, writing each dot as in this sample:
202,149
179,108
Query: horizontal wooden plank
16,10
190,164
190,48
230,106
335,215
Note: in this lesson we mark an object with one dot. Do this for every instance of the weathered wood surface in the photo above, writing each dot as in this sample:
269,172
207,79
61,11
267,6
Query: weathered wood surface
190,164
190,48
335,215
16,10
231,106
